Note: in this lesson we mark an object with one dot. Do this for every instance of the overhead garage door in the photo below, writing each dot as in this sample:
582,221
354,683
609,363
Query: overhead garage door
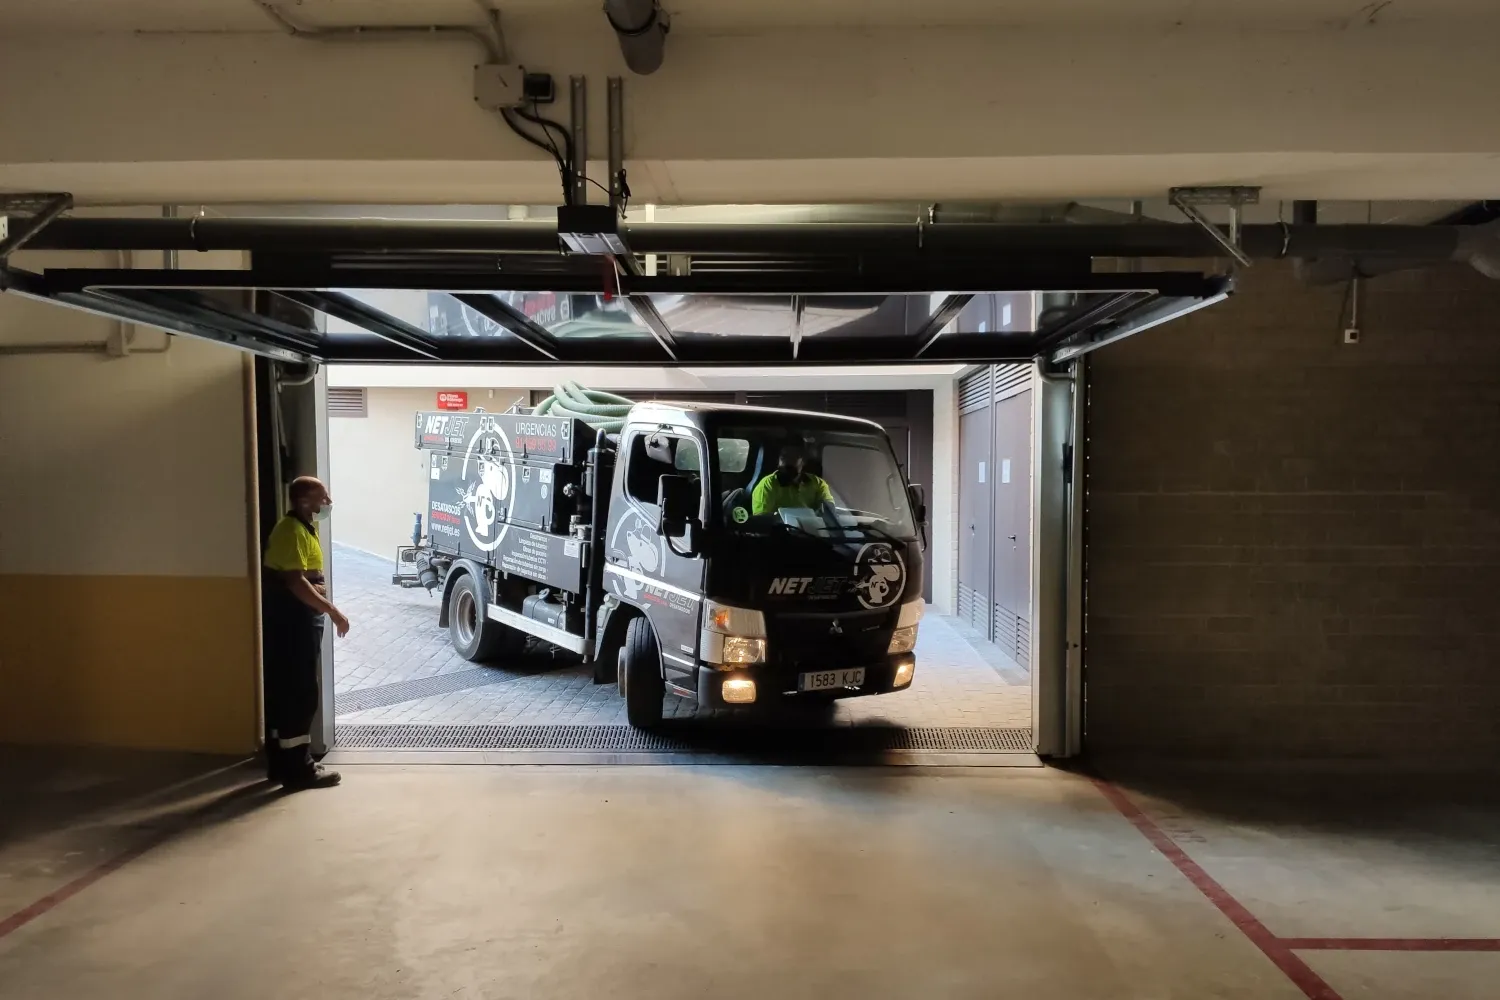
508,293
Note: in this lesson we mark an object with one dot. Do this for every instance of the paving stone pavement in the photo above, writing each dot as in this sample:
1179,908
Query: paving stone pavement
393,666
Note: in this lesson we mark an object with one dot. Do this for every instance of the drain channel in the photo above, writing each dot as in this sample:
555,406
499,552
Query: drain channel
690,738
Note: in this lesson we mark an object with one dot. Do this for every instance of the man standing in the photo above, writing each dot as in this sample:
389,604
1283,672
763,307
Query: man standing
295,602
790,485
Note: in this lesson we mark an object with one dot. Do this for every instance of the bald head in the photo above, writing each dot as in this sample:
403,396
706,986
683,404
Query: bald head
308,495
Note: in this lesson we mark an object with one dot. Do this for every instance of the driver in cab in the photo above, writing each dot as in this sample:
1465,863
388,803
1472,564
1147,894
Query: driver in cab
791,485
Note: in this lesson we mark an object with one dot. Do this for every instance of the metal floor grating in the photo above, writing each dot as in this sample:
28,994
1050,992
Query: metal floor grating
690,738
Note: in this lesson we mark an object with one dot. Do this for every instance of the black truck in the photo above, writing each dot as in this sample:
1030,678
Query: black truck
648,552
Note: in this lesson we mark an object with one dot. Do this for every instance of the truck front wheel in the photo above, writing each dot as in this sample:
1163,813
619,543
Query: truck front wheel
641,673
476,636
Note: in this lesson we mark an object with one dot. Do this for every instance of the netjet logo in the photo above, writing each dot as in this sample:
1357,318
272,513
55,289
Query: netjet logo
790,585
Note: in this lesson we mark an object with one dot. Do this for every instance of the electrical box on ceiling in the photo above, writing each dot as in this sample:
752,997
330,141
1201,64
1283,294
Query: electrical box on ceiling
497,88
590,229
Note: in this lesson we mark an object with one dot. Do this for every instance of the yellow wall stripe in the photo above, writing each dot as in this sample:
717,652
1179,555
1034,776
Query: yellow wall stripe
155,662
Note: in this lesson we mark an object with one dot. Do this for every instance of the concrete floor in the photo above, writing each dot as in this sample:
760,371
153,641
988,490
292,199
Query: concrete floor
728,881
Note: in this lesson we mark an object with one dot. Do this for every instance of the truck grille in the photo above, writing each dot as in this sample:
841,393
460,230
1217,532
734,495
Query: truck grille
815,640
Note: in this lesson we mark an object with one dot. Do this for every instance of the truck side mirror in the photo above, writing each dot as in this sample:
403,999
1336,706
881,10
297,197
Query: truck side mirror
918,497
659,449
676,500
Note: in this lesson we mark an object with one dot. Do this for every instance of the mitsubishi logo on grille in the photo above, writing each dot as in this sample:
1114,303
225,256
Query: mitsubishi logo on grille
835,628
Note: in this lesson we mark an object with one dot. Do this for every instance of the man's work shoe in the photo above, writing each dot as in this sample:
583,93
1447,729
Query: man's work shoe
316,776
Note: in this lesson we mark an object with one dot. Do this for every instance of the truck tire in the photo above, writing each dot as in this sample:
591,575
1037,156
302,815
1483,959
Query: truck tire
641,674
476,637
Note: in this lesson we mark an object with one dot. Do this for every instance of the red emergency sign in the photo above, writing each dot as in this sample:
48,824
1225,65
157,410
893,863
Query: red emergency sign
453,400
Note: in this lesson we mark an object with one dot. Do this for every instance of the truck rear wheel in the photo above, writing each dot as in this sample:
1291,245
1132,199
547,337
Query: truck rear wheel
477,637
641,673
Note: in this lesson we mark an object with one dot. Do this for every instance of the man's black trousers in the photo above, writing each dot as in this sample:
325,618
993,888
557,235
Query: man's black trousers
293,642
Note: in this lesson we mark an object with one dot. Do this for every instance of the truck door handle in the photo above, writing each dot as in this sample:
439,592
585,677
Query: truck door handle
1012,537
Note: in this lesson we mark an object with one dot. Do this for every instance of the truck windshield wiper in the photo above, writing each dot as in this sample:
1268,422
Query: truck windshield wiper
880,533
870,529
839,534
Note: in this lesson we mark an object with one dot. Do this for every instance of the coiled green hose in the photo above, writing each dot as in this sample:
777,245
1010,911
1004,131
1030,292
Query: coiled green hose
603,411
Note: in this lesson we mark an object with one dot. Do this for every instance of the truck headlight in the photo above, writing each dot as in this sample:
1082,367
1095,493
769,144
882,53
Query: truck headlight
732,637
740,650
911,613
903,640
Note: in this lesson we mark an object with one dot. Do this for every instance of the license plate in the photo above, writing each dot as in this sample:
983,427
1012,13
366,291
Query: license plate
829,680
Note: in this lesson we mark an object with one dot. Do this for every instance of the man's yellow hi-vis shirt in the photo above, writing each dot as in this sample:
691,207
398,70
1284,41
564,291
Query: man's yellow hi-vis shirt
294,546
771,494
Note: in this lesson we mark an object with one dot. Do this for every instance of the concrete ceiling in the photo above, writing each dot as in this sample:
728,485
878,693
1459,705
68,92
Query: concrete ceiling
721,16
890,100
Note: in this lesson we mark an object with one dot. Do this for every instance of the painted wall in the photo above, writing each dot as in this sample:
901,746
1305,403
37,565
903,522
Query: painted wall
124,537
1294,543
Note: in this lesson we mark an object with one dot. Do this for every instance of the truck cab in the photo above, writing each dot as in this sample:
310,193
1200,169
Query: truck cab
733,598
728,555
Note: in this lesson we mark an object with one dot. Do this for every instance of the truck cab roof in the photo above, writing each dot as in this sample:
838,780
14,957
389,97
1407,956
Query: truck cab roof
697,413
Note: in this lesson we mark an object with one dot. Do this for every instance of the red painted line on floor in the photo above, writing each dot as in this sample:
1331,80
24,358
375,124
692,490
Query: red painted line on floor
1274,948
1392,944
149,841
22,917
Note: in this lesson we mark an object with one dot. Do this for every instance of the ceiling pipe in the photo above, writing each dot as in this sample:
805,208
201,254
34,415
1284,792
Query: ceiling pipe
641,26
1148,239
1477,246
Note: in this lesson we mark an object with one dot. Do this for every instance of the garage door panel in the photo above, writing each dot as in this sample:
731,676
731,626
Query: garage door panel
498,294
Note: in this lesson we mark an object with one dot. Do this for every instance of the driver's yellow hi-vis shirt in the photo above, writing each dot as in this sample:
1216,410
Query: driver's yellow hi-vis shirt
294,546
771,494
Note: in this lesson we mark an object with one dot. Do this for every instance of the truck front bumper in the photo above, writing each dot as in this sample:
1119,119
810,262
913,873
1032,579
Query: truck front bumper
773,682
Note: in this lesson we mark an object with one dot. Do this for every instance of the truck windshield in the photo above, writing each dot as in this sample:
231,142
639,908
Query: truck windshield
829,482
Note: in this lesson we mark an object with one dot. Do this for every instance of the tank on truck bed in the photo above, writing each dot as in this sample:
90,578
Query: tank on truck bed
732,555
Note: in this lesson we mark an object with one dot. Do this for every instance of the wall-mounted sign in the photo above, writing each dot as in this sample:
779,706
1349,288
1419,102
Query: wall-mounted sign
453,400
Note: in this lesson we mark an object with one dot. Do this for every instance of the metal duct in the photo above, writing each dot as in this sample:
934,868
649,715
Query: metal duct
641,26
1477,246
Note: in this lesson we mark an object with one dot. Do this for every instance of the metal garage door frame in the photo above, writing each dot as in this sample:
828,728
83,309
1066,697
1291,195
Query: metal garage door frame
1057,563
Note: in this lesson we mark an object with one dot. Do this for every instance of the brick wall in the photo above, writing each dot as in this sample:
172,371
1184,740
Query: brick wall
1294,545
